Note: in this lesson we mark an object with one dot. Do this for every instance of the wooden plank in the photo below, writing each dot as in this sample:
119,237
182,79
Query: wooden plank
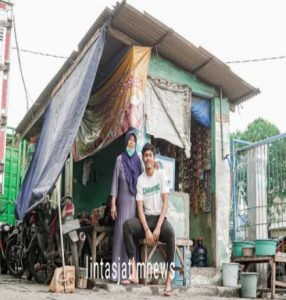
280,258
280,283
182,242
152,252
178,242
273,278
144,256
184,267
94,236
120,36
253,259
97,228
162,251
103,229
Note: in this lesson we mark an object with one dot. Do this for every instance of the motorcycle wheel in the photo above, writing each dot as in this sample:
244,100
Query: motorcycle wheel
3,265
39,265
14,258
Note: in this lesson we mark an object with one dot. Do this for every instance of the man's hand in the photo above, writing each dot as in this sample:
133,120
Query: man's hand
149,238
113,211
156,234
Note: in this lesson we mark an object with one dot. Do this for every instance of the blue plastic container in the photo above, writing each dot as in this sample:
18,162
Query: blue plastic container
237,247
178,276
264,247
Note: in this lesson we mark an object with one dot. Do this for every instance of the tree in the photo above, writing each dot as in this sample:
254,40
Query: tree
257,130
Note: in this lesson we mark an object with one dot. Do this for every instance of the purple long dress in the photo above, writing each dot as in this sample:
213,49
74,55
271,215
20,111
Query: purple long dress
126,209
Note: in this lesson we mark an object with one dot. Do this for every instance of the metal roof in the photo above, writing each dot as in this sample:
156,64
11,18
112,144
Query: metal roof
134,27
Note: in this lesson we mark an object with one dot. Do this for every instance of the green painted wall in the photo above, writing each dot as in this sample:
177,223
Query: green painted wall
200,224
165,69
97,190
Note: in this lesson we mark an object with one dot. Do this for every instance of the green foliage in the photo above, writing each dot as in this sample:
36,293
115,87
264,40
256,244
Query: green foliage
257,130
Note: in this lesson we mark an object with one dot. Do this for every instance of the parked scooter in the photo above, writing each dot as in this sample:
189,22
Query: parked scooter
45,252
18,245
5,230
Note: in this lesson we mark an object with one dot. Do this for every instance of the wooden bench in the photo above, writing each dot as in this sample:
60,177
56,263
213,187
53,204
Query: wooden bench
147,252
272,260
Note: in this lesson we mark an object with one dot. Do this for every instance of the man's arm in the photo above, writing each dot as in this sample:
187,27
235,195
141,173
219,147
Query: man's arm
142,218
164,209
163,213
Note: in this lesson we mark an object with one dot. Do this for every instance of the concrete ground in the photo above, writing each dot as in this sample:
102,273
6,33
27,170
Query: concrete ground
15,289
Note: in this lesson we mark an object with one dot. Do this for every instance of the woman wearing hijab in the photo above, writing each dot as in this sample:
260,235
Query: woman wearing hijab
127,169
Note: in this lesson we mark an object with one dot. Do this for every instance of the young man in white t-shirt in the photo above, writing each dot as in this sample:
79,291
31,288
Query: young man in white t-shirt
152,206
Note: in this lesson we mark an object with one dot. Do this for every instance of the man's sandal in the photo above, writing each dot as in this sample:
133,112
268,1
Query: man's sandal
167,293
125,282
136,281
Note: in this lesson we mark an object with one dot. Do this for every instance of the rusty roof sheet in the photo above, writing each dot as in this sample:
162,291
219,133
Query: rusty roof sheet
148,31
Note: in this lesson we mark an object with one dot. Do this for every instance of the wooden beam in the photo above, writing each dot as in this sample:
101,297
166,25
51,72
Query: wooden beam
280,258
121,37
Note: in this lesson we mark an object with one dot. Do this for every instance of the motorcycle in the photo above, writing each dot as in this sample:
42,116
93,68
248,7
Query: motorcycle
45,251
18,245
5,230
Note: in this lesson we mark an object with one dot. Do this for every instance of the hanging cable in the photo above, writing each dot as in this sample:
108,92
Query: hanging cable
20,65
227,62
39,53
256,59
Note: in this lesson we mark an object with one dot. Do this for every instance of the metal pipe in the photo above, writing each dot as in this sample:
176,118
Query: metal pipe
263,142
233,170
242,142
221,125
61,231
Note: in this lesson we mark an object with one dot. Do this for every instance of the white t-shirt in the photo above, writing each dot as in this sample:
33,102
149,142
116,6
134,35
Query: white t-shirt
150,189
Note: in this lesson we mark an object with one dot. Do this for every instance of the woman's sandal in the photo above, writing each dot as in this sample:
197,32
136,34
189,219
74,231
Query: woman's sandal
125,282
167,293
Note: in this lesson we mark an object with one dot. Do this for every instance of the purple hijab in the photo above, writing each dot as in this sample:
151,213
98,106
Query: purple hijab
131,165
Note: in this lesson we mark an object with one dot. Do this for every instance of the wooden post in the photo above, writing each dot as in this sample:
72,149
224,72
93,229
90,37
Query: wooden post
273,277
94,237
144,257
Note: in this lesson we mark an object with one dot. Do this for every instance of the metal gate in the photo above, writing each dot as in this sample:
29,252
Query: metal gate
258,189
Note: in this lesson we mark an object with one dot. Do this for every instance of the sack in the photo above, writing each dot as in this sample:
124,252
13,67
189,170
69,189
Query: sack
57,283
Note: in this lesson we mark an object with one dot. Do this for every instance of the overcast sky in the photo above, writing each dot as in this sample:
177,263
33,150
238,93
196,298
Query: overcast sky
231,30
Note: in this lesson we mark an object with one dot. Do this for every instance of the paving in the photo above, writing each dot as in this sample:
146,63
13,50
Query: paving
20,289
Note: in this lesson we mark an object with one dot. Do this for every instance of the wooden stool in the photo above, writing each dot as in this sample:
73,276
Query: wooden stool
147,252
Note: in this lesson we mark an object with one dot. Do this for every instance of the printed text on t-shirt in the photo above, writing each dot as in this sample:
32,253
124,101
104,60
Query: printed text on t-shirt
151,190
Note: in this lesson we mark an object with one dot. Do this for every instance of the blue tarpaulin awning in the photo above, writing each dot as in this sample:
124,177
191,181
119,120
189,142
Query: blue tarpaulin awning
200,109
61,123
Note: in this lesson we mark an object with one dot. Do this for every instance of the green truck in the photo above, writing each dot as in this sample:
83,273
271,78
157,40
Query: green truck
15,155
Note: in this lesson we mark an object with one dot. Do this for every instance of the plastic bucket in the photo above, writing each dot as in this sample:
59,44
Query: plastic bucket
229,274
237,247
248,251
265,247
248,284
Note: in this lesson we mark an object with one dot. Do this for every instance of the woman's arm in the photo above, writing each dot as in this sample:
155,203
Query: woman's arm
114,187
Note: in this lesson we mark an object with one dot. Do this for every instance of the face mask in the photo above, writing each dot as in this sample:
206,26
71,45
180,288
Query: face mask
130,152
